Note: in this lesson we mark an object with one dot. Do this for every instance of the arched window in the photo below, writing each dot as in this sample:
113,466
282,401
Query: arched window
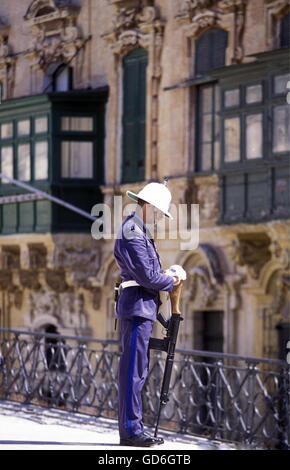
210,51
134,115
284,31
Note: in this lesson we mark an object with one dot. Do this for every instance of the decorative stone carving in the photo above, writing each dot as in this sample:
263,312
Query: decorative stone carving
56,279
275,10
203,291
280,304
5,279
67,308
281,256
56,37
207,198
37,256
197,16
73,314
141,26
97,296
233,282
29,279
7,63
205,278
77,254
10,257
252,250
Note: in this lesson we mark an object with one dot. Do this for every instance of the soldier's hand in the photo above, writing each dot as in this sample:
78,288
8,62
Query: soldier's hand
176,280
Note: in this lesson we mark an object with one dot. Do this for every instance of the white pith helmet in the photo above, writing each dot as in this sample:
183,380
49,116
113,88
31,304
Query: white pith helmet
156,194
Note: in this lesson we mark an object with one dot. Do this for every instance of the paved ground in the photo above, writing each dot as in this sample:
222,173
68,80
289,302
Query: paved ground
32,427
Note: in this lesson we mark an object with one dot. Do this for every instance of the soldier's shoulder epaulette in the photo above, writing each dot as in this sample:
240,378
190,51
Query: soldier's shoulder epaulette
131,229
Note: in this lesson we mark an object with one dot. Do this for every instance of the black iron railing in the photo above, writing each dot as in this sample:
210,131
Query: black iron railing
231,397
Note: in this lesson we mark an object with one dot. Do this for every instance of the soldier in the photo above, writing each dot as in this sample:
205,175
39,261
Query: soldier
137,305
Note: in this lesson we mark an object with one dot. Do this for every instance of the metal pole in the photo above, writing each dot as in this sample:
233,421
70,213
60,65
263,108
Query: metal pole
45,195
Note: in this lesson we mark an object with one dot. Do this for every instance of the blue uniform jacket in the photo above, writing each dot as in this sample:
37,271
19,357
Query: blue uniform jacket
137,257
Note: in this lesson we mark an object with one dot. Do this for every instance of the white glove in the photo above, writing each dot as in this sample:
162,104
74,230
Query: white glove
176,270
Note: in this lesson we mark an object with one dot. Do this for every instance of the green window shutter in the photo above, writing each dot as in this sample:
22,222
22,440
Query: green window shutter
134,115
210,50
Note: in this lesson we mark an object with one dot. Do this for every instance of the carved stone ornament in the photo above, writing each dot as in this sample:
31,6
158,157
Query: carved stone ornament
75,255
199,15
56,37
252,250
202,288
134,27
29,279
233,282
205,277
280,304
207,197
275,10
56,279
7,63
66,308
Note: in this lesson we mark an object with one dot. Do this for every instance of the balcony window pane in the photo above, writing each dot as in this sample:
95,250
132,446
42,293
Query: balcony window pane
23,159
207,127
6,130
207,99
41,125
281,131
73,123
7,162
206,150
232,136
76,159
280,83
254,94
254,136
23,127
232,98
41,161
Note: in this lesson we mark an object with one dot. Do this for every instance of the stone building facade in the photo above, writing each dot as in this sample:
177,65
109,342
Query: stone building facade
111,94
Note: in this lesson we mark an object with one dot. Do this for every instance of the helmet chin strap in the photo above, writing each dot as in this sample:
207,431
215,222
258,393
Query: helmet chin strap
155,220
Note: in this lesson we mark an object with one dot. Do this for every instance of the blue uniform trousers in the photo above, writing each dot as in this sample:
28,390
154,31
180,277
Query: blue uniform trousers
133,370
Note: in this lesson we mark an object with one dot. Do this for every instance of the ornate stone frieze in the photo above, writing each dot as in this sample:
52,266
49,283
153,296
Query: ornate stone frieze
10,257
56,37
66,309
56,279
29,279
77,255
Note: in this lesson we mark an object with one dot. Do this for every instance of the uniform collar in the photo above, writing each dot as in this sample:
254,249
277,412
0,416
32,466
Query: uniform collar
141,224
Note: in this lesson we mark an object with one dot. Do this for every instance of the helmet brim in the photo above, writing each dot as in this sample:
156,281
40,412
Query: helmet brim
136,198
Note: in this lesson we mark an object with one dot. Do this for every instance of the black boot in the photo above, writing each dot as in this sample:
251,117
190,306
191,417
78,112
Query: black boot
141,440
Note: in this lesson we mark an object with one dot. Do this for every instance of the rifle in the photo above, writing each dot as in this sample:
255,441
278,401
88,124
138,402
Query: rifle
168,344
